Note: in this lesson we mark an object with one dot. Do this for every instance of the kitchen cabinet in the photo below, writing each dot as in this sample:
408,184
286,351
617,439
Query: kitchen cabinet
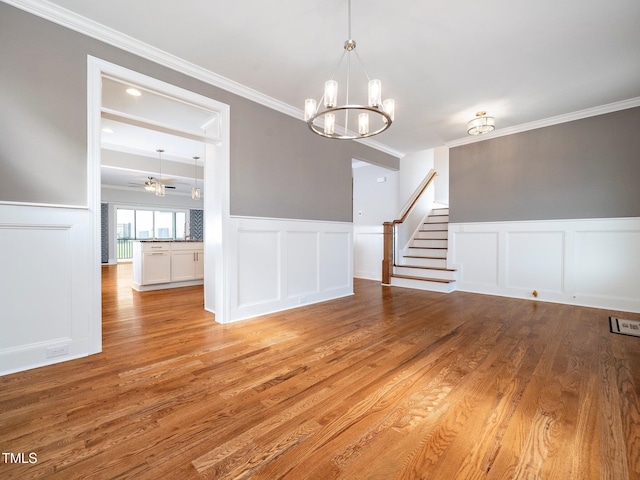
158,264
187,262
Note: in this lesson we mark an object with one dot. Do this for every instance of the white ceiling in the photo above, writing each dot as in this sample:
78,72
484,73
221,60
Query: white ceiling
442,61
135,127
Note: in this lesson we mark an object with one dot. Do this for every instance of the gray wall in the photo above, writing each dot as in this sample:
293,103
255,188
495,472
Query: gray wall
278,168
587,168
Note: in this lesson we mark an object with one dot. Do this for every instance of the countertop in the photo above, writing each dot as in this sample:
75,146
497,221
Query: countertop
169,241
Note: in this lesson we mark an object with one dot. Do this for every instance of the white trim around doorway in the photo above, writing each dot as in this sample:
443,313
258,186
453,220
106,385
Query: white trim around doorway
216,181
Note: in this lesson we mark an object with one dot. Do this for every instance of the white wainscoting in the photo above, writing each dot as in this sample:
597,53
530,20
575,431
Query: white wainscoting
593,262
368,252
48,285
278,264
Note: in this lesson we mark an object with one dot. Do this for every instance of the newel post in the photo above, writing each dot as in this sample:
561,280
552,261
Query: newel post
387,259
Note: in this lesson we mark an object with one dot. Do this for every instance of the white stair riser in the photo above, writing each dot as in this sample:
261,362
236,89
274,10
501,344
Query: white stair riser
434,226
438,219
418,242
424,262
433,235
422,285
426,252
425,273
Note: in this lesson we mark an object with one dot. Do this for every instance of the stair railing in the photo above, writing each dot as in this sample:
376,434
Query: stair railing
389,228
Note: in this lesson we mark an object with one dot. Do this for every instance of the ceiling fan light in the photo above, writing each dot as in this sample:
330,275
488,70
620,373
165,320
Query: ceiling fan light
149,186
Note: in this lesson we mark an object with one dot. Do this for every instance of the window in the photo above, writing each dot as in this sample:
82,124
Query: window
144,224
147,225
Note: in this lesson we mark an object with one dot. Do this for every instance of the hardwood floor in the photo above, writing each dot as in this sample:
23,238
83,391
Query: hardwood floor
388,384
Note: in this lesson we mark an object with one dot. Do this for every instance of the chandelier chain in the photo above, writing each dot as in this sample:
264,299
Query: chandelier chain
349,17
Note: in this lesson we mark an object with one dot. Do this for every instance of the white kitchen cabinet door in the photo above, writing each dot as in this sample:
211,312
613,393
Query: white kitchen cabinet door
199,264
183,266
156,267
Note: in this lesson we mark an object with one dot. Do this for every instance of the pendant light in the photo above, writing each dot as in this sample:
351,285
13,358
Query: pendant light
373,118
159,185
195,191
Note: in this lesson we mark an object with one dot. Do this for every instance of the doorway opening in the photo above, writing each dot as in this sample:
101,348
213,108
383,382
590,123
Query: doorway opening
157,121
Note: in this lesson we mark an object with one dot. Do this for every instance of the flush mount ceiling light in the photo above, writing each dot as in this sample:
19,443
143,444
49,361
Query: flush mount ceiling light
481,124
373,118
195,191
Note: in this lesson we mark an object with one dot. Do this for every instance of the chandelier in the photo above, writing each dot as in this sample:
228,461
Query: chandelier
481,124
373,118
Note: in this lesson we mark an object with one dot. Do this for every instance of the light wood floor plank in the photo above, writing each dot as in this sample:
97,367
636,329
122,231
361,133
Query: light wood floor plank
390,383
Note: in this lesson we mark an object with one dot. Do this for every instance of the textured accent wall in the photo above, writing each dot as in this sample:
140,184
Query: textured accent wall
587,168
196,220
104,231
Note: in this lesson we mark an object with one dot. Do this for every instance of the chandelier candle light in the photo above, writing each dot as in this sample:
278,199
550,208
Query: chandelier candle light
373,118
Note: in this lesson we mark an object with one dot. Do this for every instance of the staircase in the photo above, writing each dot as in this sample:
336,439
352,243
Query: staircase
423,265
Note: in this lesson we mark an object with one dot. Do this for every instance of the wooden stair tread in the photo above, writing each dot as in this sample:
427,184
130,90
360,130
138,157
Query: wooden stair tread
418,256
429,248
443,269
424,279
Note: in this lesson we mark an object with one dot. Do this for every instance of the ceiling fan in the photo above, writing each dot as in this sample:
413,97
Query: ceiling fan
150,184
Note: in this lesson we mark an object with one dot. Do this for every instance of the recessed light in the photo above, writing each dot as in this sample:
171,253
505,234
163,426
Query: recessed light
107,130
134,92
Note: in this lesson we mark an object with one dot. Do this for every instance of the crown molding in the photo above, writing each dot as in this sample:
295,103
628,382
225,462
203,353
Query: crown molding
90,28
547,122
377,145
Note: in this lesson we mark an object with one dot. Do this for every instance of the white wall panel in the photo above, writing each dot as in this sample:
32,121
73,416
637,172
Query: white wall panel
607,264
37,260
476,254
50,266
302,263
591,262
337,263
282,264
535,260
258,266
